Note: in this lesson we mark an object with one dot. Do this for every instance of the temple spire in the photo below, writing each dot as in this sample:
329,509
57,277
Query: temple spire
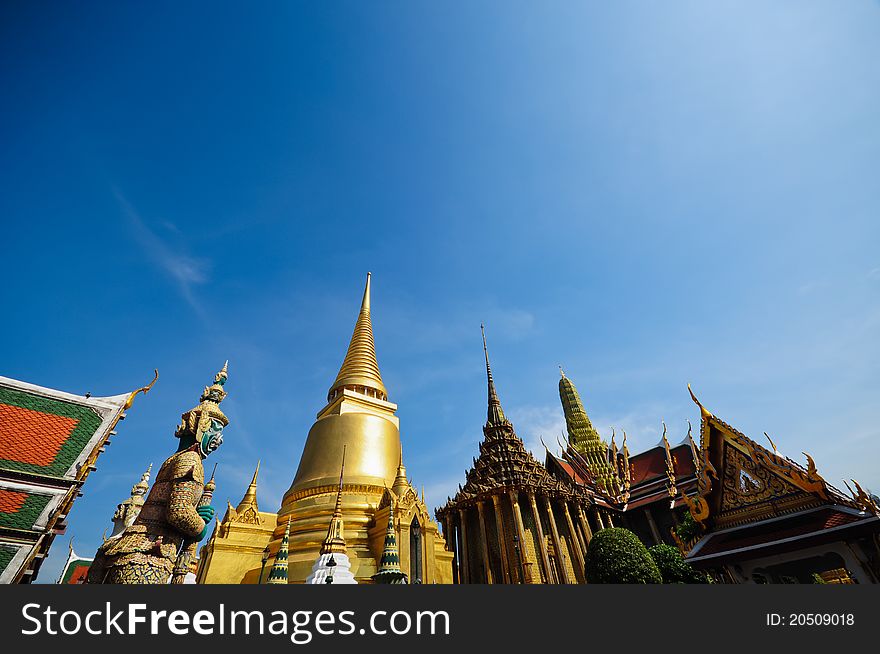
250,495
360,370
332,565
400,483
583,437
495,415
335,541
278,574
389,565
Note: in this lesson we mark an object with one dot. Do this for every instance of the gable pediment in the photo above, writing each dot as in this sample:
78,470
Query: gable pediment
753,483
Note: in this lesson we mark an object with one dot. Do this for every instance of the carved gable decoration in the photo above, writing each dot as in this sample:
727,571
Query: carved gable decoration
745,483
249,516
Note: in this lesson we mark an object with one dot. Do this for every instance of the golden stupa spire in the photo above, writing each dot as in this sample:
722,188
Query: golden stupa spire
335,541
250,495
400,483
360,368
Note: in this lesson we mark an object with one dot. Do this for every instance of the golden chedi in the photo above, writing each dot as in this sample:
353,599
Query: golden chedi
359,419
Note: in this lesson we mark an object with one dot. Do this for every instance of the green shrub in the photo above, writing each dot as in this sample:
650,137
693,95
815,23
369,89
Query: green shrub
673,568
688,528
617,556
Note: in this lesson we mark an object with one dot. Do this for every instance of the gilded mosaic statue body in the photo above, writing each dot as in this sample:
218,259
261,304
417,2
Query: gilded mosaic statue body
171,520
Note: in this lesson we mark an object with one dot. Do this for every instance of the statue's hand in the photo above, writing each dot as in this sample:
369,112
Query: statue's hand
206,513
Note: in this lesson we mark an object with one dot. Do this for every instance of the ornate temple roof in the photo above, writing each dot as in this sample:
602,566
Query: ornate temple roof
740,482
504,463
76,567
49,443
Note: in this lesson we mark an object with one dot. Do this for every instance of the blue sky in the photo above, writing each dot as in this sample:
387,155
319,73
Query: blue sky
649,194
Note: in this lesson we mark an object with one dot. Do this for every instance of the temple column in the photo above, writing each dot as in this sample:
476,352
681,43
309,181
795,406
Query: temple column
465,572
524,573
585,525
576,544
609,520
554,534
452,544
653,525
582,541
485,543
502,540
545,557
599,519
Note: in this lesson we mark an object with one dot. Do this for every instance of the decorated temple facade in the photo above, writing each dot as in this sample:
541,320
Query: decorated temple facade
739,511
49,445
764,518
513,522
239,542
359,419
641,492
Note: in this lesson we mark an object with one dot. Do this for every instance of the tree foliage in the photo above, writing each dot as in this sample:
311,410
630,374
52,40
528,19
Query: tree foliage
688,528
673,568
617,556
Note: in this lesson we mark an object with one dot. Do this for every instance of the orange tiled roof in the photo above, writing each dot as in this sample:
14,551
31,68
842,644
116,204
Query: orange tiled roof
11,501
32,436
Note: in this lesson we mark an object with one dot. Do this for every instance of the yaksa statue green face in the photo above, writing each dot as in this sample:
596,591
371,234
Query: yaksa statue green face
211,439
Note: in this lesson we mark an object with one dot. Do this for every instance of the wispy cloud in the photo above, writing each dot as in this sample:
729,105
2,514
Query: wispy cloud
643,427
186,271
808,288
532,423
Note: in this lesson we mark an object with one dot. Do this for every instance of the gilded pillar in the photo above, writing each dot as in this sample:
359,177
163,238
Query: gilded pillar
545,557
524,573
502,540
610,521
557,543
599,519
575,540
585,525
484,534
579,532
653,525
452,545
465,572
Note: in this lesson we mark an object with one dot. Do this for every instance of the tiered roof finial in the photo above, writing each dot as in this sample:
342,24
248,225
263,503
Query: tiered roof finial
143,485
360,370
389,565
587,447
128,510
278,574
495,414
335,541
249,501
400,482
